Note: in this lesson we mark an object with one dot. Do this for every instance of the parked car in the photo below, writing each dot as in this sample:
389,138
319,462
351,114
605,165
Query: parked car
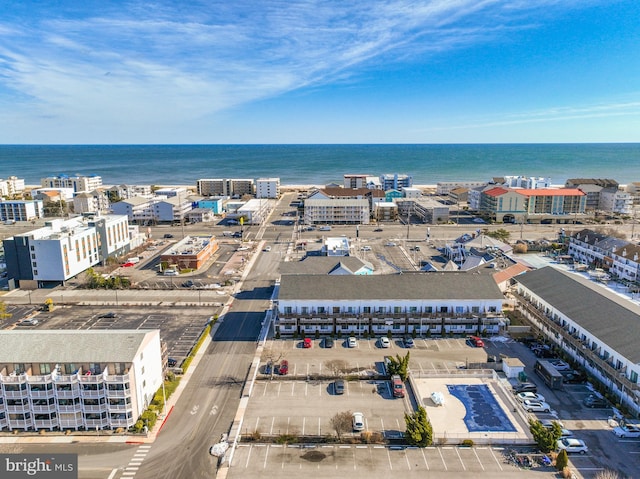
571,444
365,248
627,431
595,402
476,341
168,236
171,362
548,423
306,343
128,265
525,387
328,343
110,314
170,272
384,342
529,396
188,284
573,377
267,249
358,421
397,386
28,322
535,406
408,342
390,243
338,386
352,342
283,368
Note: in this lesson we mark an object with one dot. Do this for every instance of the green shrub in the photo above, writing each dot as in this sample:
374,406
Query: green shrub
467,443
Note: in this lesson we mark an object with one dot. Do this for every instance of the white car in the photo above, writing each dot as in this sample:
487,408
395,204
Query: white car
627,431
535,406
384,342
530,396
570,444
358,421
352,342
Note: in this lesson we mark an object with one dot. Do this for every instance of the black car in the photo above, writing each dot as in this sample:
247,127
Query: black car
110,314
188,284
171,362
338,386
525,387
328,343
595,402
573,377
168,236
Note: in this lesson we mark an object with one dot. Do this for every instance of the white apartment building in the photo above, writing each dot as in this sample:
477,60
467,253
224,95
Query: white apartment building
527,182
336,211
137,209
424,303
70,379
172,192
616,201
268,188
11,186
21,210
356,181
443,188
129,191
254,212
77,183
63,249
594,249
590,323
65,193
626,262
171,209
95,201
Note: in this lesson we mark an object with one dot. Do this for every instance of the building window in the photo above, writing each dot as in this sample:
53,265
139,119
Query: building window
305,310
397,309
444,309
287,310
459,309
366,309
336,309
45,368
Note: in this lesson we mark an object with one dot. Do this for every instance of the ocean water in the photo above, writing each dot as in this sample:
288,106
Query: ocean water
320,164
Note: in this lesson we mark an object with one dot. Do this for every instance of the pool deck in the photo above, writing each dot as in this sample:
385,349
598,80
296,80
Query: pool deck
448,420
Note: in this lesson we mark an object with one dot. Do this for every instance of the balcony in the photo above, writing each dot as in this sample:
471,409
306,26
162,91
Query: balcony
90,378
116,378
122,422
70,409
96,423
120,408
118,393
68,393
19,424
45,423
49,408
18,409
93,393
70,423
23,393
44,394
94,408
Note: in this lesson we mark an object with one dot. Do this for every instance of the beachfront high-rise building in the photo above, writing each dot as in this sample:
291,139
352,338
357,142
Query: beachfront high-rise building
268,188
356,181
237,187
77,183
396,181
21,210
11,186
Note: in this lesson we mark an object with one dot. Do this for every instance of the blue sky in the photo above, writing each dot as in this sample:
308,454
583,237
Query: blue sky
319,71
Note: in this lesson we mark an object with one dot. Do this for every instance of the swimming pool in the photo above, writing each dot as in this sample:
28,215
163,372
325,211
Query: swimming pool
483,413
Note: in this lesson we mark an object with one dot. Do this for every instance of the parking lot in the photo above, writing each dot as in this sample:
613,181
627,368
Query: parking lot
179,327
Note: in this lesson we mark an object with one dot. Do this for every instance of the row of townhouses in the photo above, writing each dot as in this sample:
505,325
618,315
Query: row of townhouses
617,257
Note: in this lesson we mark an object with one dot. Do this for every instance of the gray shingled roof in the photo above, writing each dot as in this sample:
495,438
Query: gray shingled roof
452,285
65,346
321,265
612,319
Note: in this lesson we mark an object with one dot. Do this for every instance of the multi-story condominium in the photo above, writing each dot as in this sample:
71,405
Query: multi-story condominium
79,380
255,211
21,210
525,182
396,181
137,209
65,194
124,192
336,211
411,192
589,323
95,201
171,209
594,249
172,192
602,182
443,188
225,187
616,201
77,183
533,205
268,188
427,209
11,186
626,263
424,303
63,248
356,181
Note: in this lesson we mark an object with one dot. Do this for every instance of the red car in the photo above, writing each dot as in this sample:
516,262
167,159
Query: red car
476,341
128,265
283,369
306,343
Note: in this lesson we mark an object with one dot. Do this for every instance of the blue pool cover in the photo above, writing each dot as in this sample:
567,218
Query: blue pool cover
484,414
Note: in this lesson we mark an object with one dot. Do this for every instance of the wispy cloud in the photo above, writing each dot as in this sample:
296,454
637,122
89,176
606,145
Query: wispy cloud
160,60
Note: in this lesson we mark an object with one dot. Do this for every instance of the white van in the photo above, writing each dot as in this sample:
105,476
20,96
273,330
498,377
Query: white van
170,272
134,260
325,228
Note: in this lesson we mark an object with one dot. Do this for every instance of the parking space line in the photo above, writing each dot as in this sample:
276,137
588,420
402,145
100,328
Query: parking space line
293,388
266,456
248,458
382,426
459,457
273,420
496,459
421,370
389,457
288,422
257,421
406,456
478,458
425,458
304,421
442,457
319,430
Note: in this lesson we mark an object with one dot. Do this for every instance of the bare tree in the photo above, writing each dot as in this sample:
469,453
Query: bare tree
341,423
607,474
272,358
